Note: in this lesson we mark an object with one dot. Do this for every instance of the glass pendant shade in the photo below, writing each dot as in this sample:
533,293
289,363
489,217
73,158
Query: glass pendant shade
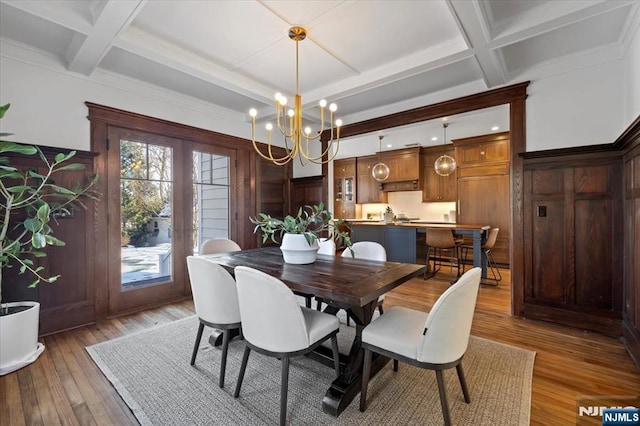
380,172
445,165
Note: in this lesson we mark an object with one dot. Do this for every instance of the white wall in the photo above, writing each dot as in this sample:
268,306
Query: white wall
575,109
47,102
631,78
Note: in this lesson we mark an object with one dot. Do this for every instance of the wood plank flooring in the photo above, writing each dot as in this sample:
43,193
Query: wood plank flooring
64,387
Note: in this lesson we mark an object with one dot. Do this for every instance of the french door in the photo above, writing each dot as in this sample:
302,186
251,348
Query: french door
166,195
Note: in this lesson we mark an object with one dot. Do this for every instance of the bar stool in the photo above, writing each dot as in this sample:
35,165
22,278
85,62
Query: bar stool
442,240
487,246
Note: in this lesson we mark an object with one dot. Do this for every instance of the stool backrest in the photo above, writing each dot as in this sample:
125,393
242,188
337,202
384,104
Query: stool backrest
440,238
491,238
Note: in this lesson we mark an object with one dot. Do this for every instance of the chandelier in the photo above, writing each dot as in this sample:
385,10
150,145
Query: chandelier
380,171
445,164
296,138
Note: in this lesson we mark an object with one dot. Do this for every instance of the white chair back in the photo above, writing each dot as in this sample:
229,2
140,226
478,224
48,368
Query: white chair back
219,245
369,250
271,316
449,323
215,295
327,246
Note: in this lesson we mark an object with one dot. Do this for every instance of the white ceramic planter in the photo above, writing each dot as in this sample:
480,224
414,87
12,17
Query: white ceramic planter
19,345
296,249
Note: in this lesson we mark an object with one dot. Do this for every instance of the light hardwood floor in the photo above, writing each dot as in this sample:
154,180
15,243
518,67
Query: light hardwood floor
65,387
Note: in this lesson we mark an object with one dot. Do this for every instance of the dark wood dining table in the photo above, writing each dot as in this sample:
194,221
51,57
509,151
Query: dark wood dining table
343,283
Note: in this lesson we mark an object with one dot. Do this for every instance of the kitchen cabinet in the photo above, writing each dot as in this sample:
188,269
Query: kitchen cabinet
483,176
368,189
344,188
404,164
484,149
436,188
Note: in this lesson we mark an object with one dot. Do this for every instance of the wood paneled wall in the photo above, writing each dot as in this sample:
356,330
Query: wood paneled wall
573,239
630,143
70,301
582,237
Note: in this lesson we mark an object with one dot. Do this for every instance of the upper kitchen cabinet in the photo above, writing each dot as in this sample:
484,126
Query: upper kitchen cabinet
404,164
368,189
344,191
480,150
436,188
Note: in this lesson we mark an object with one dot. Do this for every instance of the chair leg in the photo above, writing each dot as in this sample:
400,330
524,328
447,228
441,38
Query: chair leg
366,370
318,305
395,365
380,308
494,267
223,359
348,320
307,301
197,344
336,355
443,398
284,387
463,383
243,367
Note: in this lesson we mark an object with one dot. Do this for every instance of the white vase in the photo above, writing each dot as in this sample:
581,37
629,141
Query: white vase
296,249
19,345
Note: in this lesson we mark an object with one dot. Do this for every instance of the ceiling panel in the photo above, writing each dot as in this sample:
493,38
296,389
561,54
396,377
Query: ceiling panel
42,34
581,36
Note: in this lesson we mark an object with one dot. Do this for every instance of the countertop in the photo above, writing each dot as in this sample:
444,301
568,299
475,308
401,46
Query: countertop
417,224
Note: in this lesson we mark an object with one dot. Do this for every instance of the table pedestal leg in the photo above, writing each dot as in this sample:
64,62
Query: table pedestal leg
347,386
216,336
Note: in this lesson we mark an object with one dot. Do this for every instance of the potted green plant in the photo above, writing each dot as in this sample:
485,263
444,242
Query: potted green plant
29,201
299,234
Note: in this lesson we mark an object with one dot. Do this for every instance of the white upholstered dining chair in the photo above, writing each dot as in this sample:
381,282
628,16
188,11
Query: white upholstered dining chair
327,246
275,325
215,298
219,245
435,340
369,250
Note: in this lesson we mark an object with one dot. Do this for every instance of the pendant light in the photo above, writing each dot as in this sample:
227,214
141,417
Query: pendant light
445,164
380,171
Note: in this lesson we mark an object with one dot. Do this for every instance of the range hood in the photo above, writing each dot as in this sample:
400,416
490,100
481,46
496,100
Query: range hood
404,185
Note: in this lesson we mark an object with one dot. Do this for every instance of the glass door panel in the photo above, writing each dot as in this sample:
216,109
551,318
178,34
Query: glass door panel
211,184
146,187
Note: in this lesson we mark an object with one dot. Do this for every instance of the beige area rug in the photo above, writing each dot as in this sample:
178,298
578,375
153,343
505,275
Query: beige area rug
151,371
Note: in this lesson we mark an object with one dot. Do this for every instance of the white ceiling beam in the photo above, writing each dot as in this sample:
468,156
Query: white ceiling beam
474,27
86,51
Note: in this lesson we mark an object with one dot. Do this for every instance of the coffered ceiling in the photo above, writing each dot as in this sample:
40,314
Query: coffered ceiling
370,57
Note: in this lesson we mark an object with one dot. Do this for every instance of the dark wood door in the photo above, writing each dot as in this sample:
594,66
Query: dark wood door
306,191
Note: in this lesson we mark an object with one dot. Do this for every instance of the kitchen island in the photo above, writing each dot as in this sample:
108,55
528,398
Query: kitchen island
405,241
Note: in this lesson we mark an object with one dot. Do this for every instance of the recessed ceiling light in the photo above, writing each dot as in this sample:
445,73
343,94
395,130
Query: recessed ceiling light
389,145
494,128
435,138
